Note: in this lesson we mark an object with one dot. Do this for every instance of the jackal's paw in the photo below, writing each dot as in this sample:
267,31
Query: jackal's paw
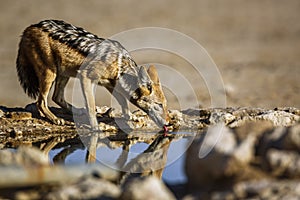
59,139
127,116
78,111
91,128
96,128
58,121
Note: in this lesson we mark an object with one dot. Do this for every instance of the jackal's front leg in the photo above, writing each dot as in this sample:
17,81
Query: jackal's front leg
122,101
87,89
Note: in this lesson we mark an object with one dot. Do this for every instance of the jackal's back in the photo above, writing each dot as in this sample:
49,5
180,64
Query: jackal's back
74,37
54,44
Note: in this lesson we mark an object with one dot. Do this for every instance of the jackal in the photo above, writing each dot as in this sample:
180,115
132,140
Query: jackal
53,51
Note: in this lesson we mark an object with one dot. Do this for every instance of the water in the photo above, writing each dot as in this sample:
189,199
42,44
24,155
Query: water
174,172
173,168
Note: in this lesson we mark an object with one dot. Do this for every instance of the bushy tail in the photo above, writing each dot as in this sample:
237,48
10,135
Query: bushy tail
26,73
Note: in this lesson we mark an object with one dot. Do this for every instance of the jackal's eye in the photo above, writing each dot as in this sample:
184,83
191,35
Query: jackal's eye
149,87
158,107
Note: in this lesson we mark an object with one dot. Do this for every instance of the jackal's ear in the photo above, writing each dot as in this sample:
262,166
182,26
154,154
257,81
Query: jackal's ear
153,74
143,75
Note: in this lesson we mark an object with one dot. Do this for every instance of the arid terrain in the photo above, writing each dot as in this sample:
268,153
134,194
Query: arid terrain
255,46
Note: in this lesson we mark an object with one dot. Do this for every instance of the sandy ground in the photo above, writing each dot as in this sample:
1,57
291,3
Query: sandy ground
255,44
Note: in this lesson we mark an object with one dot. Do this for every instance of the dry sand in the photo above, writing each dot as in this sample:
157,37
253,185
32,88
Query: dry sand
255,44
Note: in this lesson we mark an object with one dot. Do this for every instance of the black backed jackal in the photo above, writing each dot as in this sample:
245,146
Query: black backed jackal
53,51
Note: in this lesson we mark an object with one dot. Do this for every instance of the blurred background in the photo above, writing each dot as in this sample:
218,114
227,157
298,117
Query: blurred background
255,44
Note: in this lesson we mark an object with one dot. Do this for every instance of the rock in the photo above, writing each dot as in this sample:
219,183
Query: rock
256,128
89,188
223,195
284,138
108,111
106,127
175,118
267,189
146,188
248,136
243,189
221,117
284,163
245,151
270,139
19,115
232,157
27,195
139,119
280,118
24,156
254,189
203,172
291,141
15,133
2,113
218,139
103,110
228,160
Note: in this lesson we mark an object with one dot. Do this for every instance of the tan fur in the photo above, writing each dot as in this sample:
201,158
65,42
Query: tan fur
45,58
159,94
37,50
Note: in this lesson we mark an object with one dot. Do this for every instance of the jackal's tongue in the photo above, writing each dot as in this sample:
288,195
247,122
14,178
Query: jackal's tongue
166,130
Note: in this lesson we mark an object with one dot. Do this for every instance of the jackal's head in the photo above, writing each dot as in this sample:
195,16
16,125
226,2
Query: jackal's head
151,97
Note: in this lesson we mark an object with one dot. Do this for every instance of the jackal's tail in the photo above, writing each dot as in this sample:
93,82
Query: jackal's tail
26,73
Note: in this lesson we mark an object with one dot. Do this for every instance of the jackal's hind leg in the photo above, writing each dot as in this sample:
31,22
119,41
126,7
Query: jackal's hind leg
59,95
42,104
